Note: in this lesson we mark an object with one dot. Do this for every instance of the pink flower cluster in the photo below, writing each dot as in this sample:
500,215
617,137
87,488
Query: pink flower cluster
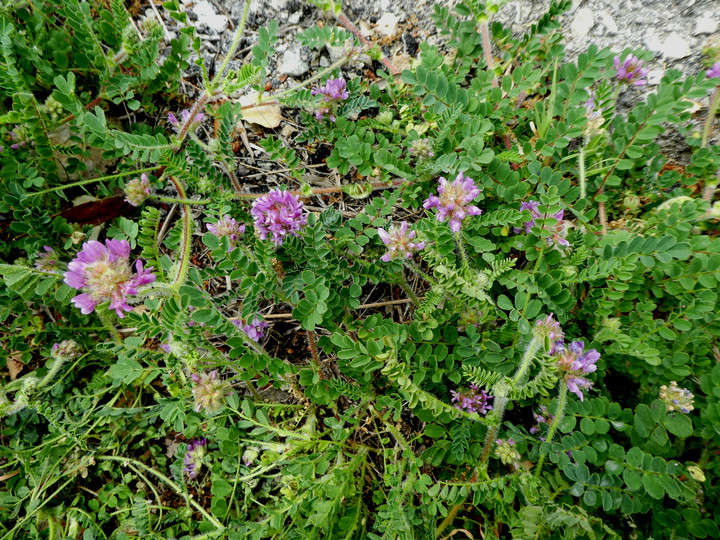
255,329
399,241
184,117
453,201
194,457
630,71
137,190
103,273
279,214
576,362
474,401
227,227
332,92
714,71
558,231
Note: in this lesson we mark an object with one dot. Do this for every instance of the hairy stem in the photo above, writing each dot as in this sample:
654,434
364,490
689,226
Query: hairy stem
712,109
559,413
212,85
183,261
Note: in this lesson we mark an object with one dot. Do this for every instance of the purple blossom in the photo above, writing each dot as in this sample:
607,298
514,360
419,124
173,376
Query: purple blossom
474,401
630,71
453,202
399,241
543,417
333,92
66,350
575,361
210,391
550,328
227,227
184,117
422,149
557,231
255,330
194,457
48,261
279,213
137,190
104,274
714,71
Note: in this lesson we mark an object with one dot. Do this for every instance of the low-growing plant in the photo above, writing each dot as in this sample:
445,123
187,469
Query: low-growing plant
497,318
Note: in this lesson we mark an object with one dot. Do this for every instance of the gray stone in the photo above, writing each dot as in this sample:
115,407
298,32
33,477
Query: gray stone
609,23
675,46
292,63
707,23
206,14
387,25
582,23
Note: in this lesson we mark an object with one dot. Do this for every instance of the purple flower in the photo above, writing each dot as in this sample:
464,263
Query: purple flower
209,391
184,117
194,457
66,350
227,226
576,362
399,242
422,149
48,262
544,417
279,213
474,401
137,190
255,330
332,93
630,71
550,328
714,71
557,231
676,398
104,274
453,202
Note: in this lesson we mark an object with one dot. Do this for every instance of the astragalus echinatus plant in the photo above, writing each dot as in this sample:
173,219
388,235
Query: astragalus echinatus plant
472,298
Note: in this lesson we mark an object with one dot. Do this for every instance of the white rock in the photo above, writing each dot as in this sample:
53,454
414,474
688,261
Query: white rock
206,15
582,23
295,17
292,63
655,76
653,42
707,23
610,24
387,25
675,46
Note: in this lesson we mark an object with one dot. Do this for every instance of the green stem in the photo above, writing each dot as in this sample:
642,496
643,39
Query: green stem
714,103
92,181
405,286
527,359
461,248
413,267
559,413
173,485
306,82
172,200
183,261
231,52
107,323
583,177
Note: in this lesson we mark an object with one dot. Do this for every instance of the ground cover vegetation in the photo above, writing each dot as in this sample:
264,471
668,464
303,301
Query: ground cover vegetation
498,319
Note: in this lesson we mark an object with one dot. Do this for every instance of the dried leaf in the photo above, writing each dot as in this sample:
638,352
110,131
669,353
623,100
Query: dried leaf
14,366
265,114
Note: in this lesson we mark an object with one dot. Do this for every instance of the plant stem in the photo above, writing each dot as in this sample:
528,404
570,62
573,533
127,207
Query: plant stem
211,86
581,167
107,323
712,109
410,264
183,260
172,200
461,248
92,181
487,51
559,413
173,485
405,286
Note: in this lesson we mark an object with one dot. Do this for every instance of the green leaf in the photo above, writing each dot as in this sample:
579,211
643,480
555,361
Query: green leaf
678,424
126,370
652,485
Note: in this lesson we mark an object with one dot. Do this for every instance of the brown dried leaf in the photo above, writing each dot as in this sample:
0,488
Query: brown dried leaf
14,366
266,114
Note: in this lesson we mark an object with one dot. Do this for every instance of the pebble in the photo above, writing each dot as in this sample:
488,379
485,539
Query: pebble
387,25
675,46
655,76
206,14
610,24
582,23
706,24
292,63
